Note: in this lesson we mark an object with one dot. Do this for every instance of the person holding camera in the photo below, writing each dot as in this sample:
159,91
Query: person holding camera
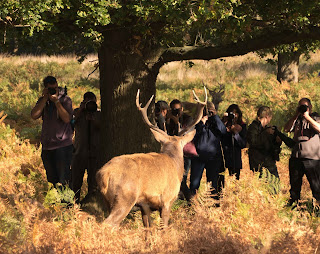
264,145
55,108
86,144
161,110
234,140
209,132
305,157
176,120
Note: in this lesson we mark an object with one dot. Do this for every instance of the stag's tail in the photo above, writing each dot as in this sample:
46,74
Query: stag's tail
102,178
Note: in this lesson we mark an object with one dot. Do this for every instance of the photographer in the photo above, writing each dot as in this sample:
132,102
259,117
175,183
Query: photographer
161,109
305,157
177,120
234,140
55,108
209,132
86,144
263,144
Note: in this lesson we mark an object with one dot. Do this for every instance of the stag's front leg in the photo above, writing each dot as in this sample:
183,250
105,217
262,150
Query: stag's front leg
165,215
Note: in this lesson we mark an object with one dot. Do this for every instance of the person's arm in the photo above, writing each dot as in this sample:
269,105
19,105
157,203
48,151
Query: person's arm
220,125
288,127
36,112
240,137
63,114
314,124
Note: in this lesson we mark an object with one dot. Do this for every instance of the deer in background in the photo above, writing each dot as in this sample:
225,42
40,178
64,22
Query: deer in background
149,180
216,95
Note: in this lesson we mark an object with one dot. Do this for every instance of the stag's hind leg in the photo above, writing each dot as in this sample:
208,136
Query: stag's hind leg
119,210
146,218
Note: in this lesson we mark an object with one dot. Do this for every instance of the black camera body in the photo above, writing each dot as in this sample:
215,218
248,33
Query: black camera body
303,108
231,119
52,90
175,112
91,106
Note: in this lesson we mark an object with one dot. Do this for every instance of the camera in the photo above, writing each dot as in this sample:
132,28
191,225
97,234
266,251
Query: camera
52,90
231,117
91,106
302,109
207,112
175,112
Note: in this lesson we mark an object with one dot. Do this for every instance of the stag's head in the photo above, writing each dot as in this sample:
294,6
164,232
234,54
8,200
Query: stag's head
173,144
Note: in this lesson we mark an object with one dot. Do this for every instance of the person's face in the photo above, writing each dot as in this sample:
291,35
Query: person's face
236,115
54,85
176,107
305,102
269,118
164,112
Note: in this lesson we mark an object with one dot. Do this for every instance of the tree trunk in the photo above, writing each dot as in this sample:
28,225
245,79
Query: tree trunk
288,67
124,70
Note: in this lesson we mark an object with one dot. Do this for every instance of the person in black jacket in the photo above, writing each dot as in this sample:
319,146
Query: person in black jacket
234,140
264,145
209,132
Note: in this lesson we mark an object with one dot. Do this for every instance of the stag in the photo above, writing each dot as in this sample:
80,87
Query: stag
150,181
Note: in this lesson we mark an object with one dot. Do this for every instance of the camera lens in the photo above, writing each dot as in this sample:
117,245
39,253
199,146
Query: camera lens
302,108
91,106
52,90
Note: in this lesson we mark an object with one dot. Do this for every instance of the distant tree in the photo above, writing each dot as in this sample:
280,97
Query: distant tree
288,57
135,38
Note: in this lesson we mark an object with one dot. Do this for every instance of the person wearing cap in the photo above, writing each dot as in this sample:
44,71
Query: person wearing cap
209,132
55,109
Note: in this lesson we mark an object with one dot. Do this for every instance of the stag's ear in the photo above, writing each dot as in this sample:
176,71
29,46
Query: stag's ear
160,137
188,137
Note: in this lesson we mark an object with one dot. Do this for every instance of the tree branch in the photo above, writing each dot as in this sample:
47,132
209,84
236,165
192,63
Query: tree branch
267,40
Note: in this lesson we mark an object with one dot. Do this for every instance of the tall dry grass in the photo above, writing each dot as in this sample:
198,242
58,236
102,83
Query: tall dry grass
250,219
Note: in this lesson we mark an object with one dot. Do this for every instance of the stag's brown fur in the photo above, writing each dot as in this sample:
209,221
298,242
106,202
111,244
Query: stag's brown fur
151,181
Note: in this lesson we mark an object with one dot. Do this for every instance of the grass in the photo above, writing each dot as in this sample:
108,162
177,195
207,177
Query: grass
250,219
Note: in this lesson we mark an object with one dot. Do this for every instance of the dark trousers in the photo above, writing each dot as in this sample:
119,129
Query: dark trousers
184,187
80,163
297,169
234,171
213,167
57,164
268,164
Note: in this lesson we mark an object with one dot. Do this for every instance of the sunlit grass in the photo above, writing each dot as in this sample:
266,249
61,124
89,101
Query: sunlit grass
250,219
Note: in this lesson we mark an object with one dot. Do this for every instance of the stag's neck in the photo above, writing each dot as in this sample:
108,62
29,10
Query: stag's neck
176,154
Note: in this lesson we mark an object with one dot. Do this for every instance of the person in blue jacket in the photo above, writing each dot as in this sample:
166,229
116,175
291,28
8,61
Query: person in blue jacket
209,132
234,140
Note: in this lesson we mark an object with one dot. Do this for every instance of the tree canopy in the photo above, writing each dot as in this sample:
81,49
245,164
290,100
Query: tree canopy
171,23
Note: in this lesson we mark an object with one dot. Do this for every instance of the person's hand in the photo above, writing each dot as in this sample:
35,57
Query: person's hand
204,119
54,97
236,128
82,106
270,130
45,93
278,140
306,114
174,118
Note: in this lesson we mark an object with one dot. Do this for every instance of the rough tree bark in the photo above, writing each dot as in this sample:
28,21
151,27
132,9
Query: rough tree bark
123,70
288,67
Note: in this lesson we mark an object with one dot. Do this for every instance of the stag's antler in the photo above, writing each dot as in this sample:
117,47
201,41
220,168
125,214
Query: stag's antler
200,107
145,115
